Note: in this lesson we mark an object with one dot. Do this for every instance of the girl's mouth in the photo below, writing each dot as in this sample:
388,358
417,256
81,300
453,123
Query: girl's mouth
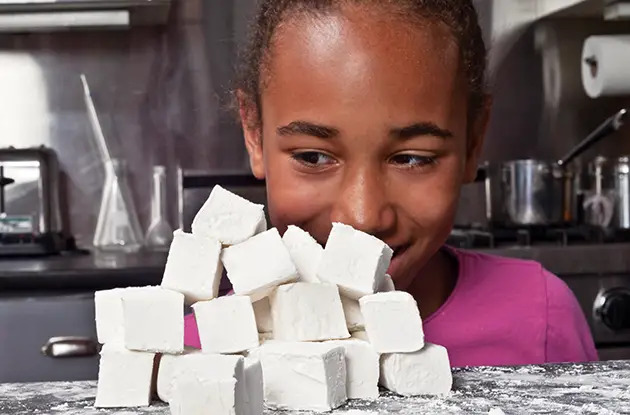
397,259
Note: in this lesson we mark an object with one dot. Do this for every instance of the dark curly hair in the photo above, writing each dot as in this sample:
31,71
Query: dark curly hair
459,16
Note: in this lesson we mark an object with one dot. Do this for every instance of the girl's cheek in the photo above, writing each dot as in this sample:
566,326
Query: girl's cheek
292,198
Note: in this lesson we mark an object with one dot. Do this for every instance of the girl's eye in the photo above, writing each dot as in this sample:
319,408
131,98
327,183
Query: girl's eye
313,158
412,160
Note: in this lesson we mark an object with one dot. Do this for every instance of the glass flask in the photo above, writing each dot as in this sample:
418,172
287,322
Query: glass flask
160,233
117,228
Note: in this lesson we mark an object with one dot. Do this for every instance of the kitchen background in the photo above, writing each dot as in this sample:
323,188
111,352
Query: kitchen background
162,96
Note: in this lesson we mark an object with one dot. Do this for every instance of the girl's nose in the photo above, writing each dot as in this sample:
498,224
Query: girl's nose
362,203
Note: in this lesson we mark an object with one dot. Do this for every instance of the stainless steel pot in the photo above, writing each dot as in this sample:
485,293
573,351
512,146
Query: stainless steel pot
536,192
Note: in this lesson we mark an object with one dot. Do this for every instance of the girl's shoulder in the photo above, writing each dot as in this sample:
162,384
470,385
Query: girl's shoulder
491,295
517,280
482,266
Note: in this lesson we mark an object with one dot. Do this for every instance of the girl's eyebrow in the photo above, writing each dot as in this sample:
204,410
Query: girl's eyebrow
420,129
321,131
307,128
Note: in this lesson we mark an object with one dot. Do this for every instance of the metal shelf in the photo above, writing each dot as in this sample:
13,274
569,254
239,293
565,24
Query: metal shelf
38,15
604,9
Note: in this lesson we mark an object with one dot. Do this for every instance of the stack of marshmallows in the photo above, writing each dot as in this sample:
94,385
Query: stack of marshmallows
307,327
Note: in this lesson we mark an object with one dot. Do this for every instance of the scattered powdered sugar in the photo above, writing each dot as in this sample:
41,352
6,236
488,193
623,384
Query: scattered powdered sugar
60,407
597,409
593,389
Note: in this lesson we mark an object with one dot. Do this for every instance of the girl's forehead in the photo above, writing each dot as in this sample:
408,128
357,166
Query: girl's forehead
355,36
360,56
375,26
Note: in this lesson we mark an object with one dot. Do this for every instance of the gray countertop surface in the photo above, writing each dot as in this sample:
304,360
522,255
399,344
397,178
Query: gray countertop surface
594,388
610,258
93,270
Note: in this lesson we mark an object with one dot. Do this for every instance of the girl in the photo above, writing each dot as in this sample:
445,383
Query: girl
373,113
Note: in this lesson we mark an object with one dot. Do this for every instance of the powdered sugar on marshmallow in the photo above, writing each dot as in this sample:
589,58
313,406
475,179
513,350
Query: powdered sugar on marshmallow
354,260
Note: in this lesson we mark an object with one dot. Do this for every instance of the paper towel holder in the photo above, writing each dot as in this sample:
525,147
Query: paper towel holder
591,61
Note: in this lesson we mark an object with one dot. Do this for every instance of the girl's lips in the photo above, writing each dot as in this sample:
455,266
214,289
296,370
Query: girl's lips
397,258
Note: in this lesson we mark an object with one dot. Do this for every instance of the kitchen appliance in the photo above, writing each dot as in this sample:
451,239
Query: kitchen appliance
30,213
536,192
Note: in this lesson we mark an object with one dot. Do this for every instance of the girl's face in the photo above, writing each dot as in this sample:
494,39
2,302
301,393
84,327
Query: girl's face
364,121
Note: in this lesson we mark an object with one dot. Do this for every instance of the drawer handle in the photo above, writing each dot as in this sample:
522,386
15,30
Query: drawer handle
69,346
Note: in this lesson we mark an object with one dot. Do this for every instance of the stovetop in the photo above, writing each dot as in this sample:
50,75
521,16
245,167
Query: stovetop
477,237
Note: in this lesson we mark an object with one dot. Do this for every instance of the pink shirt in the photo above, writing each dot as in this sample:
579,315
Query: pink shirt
501,312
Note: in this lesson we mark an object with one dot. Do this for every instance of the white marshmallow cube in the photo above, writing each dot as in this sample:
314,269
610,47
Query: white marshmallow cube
305,252
303,376
192,396
426,372
215,366
229,218
109,315
166,373
255,386
352,311
255,353
193,267
153,320
362,368
226,324
387,284
354,260
124,377
361,335
207,367
262,311
306,311
392,321
259,264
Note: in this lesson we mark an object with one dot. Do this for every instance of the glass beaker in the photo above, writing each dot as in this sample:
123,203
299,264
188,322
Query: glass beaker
160,233
117,228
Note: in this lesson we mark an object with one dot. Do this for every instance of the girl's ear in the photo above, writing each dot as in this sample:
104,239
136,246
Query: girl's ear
252,133
476,136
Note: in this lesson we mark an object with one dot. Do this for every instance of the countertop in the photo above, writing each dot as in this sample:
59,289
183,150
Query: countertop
594,388
607,258
94,270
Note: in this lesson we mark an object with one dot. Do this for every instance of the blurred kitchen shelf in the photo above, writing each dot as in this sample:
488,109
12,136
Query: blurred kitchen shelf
605,9
514,14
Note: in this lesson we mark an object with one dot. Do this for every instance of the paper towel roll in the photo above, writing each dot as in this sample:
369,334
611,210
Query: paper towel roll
606,66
